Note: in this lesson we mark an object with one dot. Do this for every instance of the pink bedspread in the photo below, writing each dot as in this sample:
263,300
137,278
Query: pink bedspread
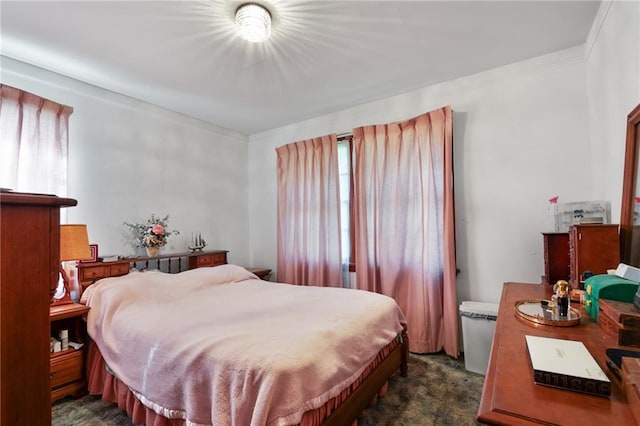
218,346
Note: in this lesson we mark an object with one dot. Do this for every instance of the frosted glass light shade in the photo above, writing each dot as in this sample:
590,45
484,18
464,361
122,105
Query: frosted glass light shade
253,22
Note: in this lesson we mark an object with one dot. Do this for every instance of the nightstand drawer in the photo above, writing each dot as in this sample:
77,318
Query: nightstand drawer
211,259
66,368
91,273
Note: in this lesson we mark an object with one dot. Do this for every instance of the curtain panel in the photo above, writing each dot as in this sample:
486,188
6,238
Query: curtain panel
404,224
35,137
309,213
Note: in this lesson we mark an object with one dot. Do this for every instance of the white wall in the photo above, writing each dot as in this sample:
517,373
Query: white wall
553,125
613,87
520,137
129,159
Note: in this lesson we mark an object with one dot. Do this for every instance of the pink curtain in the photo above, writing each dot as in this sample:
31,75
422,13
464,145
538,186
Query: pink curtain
35,136
404,224
309,213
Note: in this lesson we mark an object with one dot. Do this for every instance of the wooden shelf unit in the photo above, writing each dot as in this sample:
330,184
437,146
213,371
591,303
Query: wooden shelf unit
67,367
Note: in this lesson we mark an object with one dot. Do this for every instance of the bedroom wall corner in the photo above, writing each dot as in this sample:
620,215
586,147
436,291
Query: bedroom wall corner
613,90
129,159
519,139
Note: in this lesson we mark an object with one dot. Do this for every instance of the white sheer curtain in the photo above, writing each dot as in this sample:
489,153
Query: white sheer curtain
309,213
404,224
34,138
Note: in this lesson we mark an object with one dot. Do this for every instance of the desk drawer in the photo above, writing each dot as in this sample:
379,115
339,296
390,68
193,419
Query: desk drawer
66,368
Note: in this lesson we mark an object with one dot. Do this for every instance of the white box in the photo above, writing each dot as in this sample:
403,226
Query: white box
628,272
478,327
563,215
566,364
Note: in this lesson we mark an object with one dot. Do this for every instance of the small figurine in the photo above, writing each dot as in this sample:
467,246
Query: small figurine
562,297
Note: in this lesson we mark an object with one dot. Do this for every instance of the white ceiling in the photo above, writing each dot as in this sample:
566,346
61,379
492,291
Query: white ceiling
323,55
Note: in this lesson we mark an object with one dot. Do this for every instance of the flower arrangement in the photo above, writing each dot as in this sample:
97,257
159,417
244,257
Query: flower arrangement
154,233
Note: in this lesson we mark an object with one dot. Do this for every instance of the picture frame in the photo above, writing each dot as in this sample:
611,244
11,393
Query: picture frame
94,254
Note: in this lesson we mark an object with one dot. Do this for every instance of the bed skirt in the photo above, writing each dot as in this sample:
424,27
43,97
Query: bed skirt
101,382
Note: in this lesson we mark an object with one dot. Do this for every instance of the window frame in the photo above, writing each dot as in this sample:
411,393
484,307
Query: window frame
348,137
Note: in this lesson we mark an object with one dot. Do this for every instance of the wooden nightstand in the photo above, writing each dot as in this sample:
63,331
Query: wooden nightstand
67,366
262,273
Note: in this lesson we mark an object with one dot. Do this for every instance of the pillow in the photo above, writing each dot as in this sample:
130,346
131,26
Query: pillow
221,274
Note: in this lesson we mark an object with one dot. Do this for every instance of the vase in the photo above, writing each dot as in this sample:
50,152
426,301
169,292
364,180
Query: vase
152,251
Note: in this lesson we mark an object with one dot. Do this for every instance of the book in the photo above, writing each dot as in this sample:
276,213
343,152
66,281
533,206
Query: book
108,258
566,364
614,359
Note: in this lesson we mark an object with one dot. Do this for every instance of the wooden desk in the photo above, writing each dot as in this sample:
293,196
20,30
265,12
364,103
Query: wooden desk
510,396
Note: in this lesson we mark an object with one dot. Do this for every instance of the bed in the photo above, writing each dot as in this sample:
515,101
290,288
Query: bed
216,345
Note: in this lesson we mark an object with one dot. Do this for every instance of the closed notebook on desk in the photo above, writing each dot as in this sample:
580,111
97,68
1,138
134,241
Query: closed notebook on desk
566,364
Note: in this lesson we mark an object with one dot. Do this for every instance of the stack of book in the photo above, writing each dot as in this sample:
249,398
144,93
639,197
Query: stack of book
621,320
566,364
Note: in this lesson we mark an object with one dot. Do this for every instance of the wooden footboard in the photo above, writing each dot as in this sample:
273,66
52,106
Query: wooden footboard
361,398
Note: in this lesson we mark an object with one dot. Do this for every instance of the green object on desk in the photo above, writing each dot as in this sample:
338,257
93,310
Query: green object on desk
607,286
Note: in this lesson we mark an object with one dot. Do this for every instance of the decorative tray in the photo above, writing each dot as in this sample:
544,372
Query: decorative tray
542,311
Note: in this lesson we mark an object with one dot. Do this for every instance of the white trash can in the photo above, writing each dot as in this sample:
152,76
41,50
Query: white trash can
478,326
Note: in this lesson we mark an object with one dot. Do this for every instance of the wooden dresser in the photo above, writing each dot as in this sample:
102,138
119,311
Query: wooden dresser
30,260
510,396
67,365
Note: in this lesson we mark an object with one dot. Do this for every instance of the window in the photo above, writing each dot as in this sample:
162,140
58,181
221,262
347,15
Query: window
34,133
345,148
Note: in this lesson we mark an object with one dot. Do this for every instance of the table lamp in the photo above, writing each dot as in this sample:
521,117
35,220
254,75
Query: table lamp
74,245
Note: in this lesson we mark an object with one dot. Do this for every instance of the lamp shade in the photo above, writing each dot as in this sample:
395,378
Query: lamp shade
253,22
74,243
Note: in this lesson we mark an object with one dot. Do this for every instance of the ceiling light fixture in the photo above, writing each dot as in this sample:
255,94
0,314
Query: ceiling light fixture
253,22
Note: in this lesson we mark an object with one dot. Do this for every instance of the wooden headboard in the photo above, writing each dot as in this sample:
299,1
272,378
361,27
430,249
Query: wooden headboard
88,273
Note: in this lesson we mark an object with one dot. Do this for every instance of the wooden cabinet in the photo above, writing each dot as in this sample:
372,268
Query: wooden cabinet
29,263
556,257
67,366
594,248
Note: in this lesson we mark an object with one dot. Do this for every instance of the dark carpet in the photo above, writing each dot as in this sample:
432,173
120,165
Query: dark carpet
437,391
